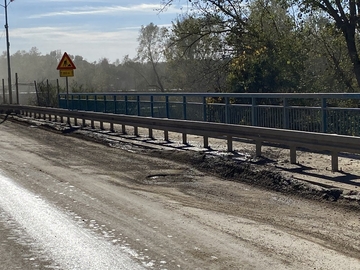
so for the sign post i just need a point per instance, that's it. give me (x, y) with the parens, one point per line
(66, 68)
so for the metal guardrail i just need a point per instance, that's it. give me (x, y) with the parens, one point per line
(336, 113)
(310, 140)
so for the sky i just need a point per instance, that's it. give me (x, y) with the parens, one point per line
(93, 29)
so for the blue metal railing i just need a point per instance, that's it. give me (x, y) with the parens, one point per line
(331, 113)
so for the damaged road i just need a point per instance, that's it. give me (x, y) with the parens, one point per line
(170, 209)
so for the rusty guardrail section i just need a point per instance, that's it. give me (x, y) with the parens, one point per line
(258, 135)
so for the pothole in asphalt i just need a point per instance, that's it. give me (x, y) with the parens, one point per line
(167, 176)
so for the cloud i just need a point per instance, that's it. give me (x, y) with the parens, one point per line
(109, 10)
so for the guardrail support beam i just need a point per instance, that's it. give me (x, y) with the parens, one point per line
(166, 135)
(136, 131)
(184, 138)
(123, 129)
(293, 154)
(335, 161)
(258, 148)
(229, 144)
(206, 142)
(112, 127)
(151, 135)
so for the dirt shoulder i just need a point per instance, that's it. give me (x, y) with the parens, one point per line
(310, 178)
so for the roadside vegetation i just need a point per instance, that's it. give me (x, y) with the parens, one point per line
(225, 46)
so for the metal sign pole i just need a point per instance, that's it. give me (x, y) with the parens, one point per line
(67, 93)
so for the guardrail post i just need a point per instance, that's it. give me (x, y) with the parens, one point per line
(151, 135)
(229, 144)
(105, 110)
(92, 124)
(206, 141)
(258, 145)
(253, 112)
(166, 135)
(285, 114)
(123, 129)
(136, 131)
(83, 122)
(335, 161)
(293, 154)
(184, 138)
(323, 115)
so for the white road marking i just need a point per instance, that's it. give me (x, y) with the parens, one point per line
(69, 245)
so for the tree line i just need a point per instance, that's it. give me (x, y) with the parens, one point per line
(250, 46)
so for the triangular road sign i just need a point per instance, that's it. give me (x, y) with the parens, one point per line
(66, 63)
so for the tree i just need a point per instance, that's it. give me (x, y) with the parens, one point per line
(152, 43)
(194, 55)
(344, 14)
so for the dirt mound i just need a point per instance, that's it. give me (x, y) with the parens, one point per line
(229, 169)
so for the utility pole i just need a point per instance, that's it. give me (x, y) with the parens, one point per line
(8, 50)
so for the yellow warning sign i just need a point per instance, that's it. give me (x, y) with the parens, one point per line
(66, 73)
(65, 63)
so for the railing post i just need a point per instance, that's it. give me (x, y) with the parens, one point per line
(253, 112)
(17, 88)
(87, 103)
(151, 135)
(126, 104)
(323, 115)
(48, 93)
(3, 86)
(115, 107)
(204, 110)
(184, 108)
(95, 103)
(167, 107)
(227, 120)
(58, 91)
(152, 106)
(138, 105)
(285, 114)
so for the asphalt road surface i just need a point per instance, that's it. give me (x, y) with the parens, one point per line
(67, 203)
